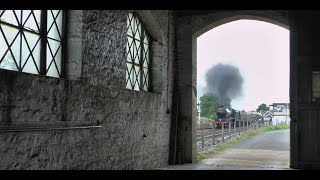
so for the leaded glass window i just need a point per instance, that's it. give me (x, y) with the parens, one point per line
(138, 55)
(31, 41)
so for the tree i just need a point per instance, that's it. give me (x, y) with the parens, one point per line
(209, 105)
(262, 108)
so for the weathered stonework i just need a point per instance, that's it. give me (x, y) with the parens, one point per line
(135, 125)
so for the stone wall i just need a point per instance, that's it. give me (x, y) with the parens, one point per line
(127, 129)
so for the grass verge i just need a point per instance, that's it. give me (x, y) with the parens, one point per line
(220, 148)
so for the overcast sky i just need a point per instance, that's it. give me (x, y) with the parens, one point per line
(261, 52)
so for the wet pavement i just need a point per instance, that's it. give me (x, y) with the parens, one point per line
(265, 151)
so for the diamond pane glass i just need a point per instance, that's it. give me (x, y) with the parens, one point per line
(138, 29)
(27, 60)
(129, 49)
(9, 32)
(54, 24)
(146, 56)
(145, 79)
(13, 38)
(59, 22)
(129, 76)
(136, 51)
(31, 19)
(8, 63)
(53, 54)
(130, 18)
(20, 48)
(137, 78)
(52, 71)
(9, 17)
(30, 67)
(3, 46)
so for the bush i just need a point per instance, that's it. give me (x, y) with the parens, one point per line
(275, 127)
(205, 122)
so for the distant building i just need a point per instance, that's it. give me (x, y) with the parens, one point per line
(280, 109)
(268, 115)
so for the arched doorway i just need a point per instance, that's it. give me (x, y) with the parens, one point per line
(191, 25)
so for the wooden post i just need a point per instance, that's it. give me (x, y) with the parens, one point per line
(247, 124)
(222, 132)
(213, 133)
(239, 128)
(229, 130)
(202, 134)
(234, 127)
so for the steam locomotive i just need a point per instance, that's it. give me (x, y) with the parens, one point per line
(228, 115)
(225, 116)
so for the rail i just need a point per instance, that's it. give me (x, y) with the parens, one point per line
(209, 137)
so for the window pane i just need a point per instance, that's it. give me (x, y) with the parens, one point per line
(52, 71)
(137, 29)
(26, 46)
(13, 37)
(59, 21)
(145, 79)
(9, 32)
(145, 56)
(137, 54)
(136, 78)
(9, 17)
(33, 20)
(130, 18)
(133, 26)
(53, 54)
(54, 26)
(33, 41)
(136, 51)
(129, 50)
(8, 63)
(129, 76)
(3, 45)
(30, 67)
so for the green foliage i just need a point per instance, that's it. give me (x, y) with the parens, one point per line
(209, 105)
(205, 122)
(275, 127)
(213, 116)
(263, 108)
(200, 157)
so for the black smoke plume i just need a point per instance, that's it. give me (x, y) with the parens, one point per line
(224, 81)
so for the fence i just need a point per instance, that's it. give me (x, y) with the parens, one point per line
(209, 137)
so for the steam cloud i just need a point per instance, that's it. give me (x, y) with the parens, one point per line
(224, 81)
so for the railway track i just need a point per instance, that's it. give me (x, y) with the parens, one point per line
(205, 140)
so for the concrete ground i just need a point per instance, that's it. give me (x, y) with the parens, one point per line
(265, 151)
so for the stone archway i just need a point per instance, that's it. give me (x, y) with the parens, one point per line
(189, 26)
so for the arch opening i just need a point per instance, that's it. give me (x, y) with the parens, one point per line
(219, 23)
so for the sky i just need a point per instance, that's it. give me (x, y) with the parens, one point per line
(261, 52)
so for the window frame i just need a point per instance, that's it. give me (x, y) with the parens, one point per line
(43, 35)
(144, 31)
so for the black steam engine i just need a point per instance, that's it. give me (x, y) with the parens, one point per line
(225, 116)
